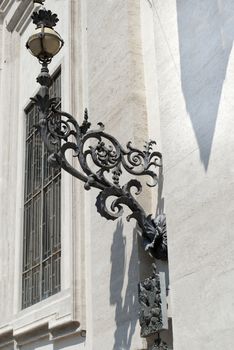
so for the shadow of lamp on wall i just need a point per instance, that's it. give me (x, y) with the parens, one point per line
(62, 134)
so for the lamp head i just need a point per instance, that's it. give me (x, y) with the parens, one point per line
(45, 42)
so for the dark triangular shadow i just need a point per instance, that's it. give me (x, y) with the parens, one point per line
(206, 32)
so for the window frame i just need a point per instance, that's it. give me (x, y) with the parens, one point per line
(46, 184)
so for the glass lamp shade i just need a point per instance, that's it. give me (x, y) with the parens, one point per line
(44, 43)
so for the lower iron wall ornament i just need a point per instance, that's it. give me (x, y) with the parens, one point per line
(159, 345)
(153, 304)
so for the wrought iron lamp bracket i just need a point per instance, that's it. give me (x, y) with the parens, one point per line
(61, 133)
(101, 160)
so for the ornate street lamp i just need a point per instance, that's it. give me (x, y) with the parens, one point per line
(61, 133)
(45, 42)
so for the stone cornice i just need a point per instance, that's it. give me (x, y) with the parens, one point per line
(43, 329)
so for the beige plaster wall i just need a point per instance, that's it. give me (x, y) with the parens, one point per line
(195, 65)
(116, 97)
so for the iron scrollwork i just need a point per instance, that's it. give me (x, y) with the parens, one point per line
(61, 130)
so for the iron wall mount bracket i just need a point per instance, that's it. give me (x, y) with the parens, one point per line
(61, 133)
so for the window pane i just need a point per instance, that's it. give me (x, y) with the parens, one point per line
(56, 219)
(47, 222)
(28, 170)
(46, 279)
(48, 171)
(26, 295)
(35, 285)
(36, 230)
(37, 162)
(56, 273)
(26, 240)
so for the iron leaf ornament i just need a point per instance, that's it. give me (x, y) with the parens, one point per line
(45, 17)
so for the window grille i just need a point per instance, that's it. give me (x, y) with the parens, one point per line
(42, 214)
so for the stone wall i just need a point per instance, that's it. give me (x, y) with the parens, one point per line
(195, 67)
